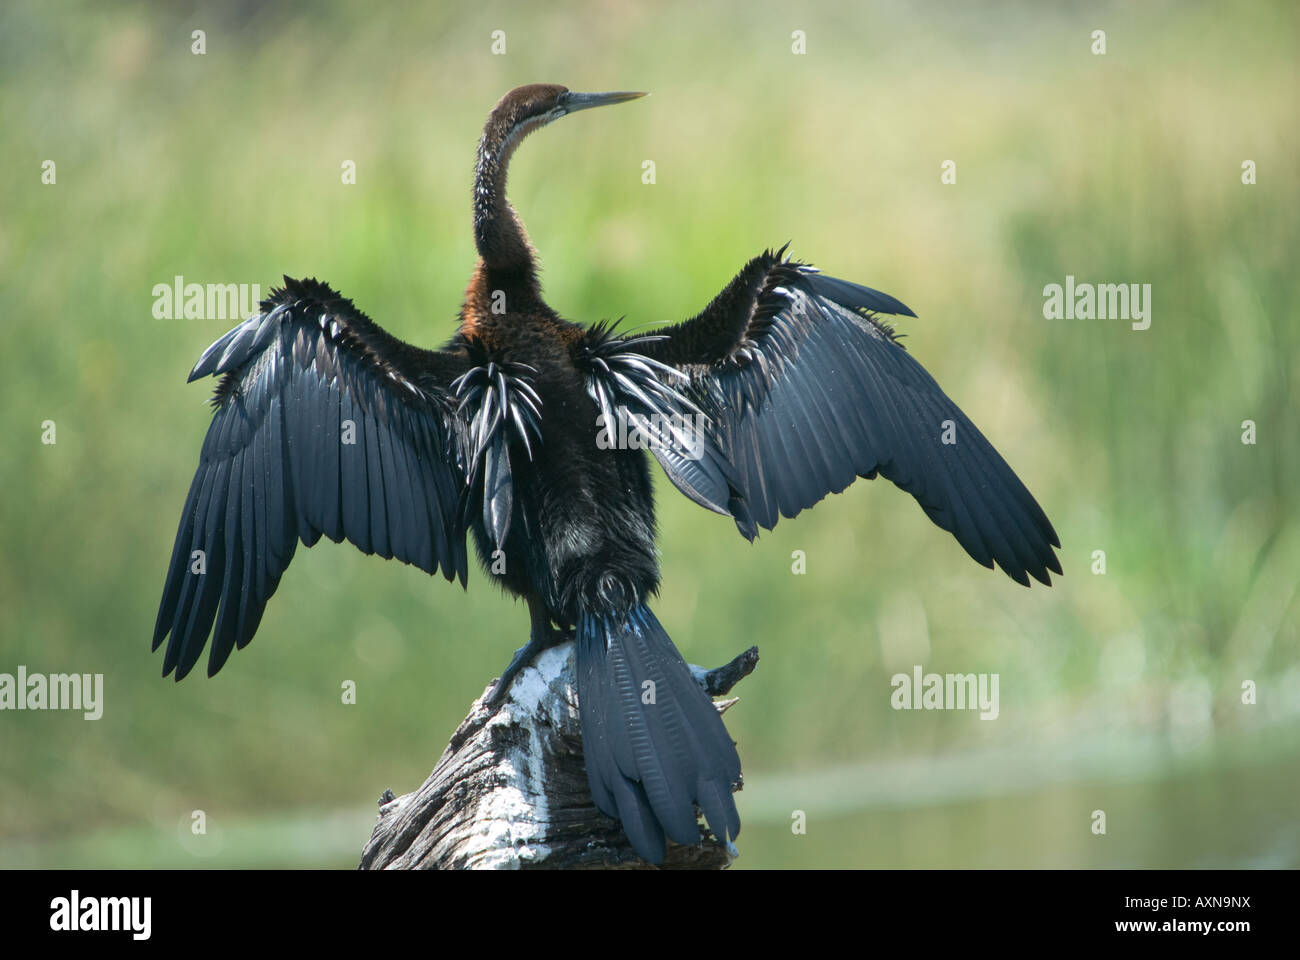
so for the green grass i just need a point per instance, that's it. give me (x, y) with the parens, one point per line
(226, 168)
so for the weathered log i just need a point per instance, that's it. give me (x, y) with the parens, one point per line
(510, 791)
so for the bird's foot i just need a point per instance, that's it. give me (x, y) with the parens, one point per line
(539, 640)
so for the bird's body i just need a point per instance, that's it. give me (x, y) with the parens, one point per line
(578, 513)
(785, 388)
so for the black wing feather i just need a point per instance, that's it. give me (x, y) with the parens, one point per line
(806, 390)
(274, 468)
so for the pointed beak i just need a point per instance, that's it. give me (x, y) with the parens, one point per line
(573, 102)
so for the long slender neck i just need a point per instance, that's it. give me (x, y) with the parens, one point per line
(506, 256)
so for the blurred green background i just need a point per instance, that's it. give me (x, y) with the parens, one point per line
(1119, 692)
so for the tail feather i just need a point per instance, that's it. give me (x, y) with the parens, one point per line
(650, 743)
(616, 795)
(655, 745)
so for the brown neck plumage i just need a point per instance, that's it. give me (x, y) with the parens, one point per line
(506, 270)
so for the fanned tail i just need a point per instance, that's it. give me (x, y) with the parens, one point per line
(655, 744)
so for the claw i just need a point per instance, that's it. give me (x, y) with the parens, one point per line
(523, 657)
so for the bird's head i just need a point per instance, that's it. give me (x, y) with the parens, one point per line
(498, 234)
(524, 109)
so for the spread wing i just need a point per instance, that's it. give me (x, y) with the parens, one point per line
(806, 390)
(323, 424)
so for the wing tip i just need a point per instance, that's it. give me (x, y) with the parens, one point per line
(1042, 572)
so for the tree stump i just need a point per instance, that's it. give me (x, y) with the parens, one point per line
(510, 791)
